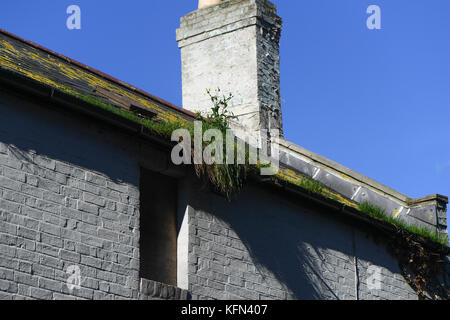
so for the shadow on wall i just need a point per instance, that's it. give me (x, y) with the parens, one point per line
(32, 129)
(309, 253)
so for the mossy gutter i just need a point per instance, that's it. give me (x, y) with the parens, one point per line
(368, 212)
(164, 130)
(380, 214)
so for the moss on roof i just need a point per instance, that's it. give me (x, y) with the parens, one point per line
(44, 68)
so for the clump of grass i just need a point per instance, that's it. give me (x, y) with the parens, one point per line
(426, 233)
(373, 210)
(311, 185)
(381, 214)
(228, 178)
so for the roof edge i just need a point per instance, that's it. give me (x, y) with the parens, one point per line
(98, 73)
(323, 161)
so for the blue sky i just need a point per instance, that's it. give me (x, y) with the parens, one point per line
(376, 101)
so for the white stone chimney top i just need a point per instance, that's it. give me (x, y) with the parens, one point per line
(207, 3)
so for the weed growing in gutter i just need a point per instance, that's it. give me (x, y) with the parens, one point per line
(311, 185)
(227, 178)
(420, 268)
(380, 214)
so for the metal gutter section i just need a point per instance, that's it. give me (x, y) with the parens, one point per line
(429, 212)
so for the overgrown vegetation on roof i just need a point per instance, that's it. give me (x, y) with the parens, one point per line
(227, 178)
(421, 268)
(162, 128)
(311, 185)
(381, 214)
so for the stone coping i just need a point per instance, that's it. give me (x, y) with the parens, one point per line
(153, 290)
(349, 174)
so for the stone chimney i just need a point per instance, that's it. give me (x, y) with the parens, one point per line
(234, 45)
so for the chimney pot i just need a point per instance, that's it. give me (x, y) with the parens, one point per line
(207, 3)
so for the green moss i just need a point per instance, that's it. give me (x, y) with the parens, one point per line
(311, 185)
(162, 128)
(380, 214)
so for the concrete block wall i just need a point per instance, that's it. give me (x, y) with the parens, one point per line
(68, 197)
(54, 215)
(280, 249)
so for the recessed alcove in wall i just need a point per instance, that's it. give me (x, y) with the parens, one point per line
(158, 227)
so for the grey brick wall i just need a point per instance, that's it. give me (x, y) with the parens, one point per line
(280, 249)
(68, 196)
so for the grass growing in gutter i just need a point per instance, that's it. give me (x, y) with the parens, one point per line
(311, 185)
(380, 214)
(163, 128)
(229, 178)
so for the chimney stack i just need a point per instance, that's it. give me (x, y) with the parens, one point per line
(234, 46)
